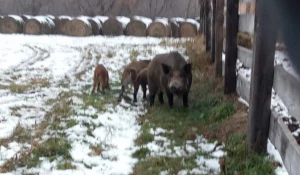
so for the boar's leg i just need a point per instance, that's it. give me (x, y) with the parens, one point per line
(144, 87)
(170, 99)
(94, 87)
(136, 89)
(185, 99)
(161, 98)
(121, 93)
(98, 88)
(152, 98)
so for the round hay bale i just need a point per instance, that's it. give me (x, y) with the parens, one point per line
(60, 23)
(115, 26)
(78, 27)
(12, 24)
(159, 28)
(189, 28)
(138, 26)
(95, 24)
(39, 25)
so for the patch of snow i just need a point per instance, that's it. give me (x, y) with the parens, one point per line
(194, 22)
(243, 101)
(123, 20)
(178, 19)
(17, 18)
(145, 20)
(65, 17)
(44, 20)
(28, 16)
(274, 154)
(85, 19)
(282, 58)
(102, 18)
(164, 21)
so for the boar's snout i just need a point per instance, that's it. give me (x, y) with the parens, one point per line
(175, 86)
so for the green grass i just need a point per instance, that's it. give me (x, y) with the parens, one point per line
(99, 100)
(155, 165)
(141, 153)
(238, 162)
(65, 165)
(71, 123)
(110, 54)
(51, 149)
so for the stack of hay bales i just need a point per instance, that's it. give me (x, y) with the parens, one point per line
(12, 24)
(39, 25)
(138, 26)
(159, 28)
(100, 25)
(115, 26)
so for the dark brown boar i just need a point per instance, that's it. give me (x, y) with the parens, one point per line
(171, 74)
(141, 80)
(130, 73)
(100, 77)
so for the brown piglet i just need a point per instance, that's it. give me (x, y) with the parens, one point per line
(141, 80)
(101, 77)
(130, 73)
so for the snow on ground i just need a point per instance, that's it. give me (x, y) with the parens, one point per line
(207, 163)
(37, 70)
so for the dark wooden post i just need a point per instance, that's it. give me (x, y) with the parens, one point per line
(213, 32)
(262, 76)
(232, 24)
(201, 3)
(219, 36)
(207, 25)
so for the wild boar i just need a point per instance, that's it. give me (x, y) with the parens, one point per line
(130, 73)
(100, 77)
(141, 80)
(169, 73)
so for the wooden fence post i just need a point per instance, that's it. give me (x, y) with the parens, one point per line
(201, 3)
(213, 31)
(232, 24)
(207, 26)
(219, 36)
(262, 76)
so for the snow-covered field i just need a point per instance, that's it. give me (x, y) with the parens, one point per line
(45, 84)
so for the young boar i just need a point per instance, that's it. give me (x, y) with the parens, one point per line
(100, 77)
(141, 80)
(130, 73)
(171, 74)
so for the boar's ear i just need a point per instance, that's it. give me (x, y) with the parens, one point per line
(165, 68)
(188, 68)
